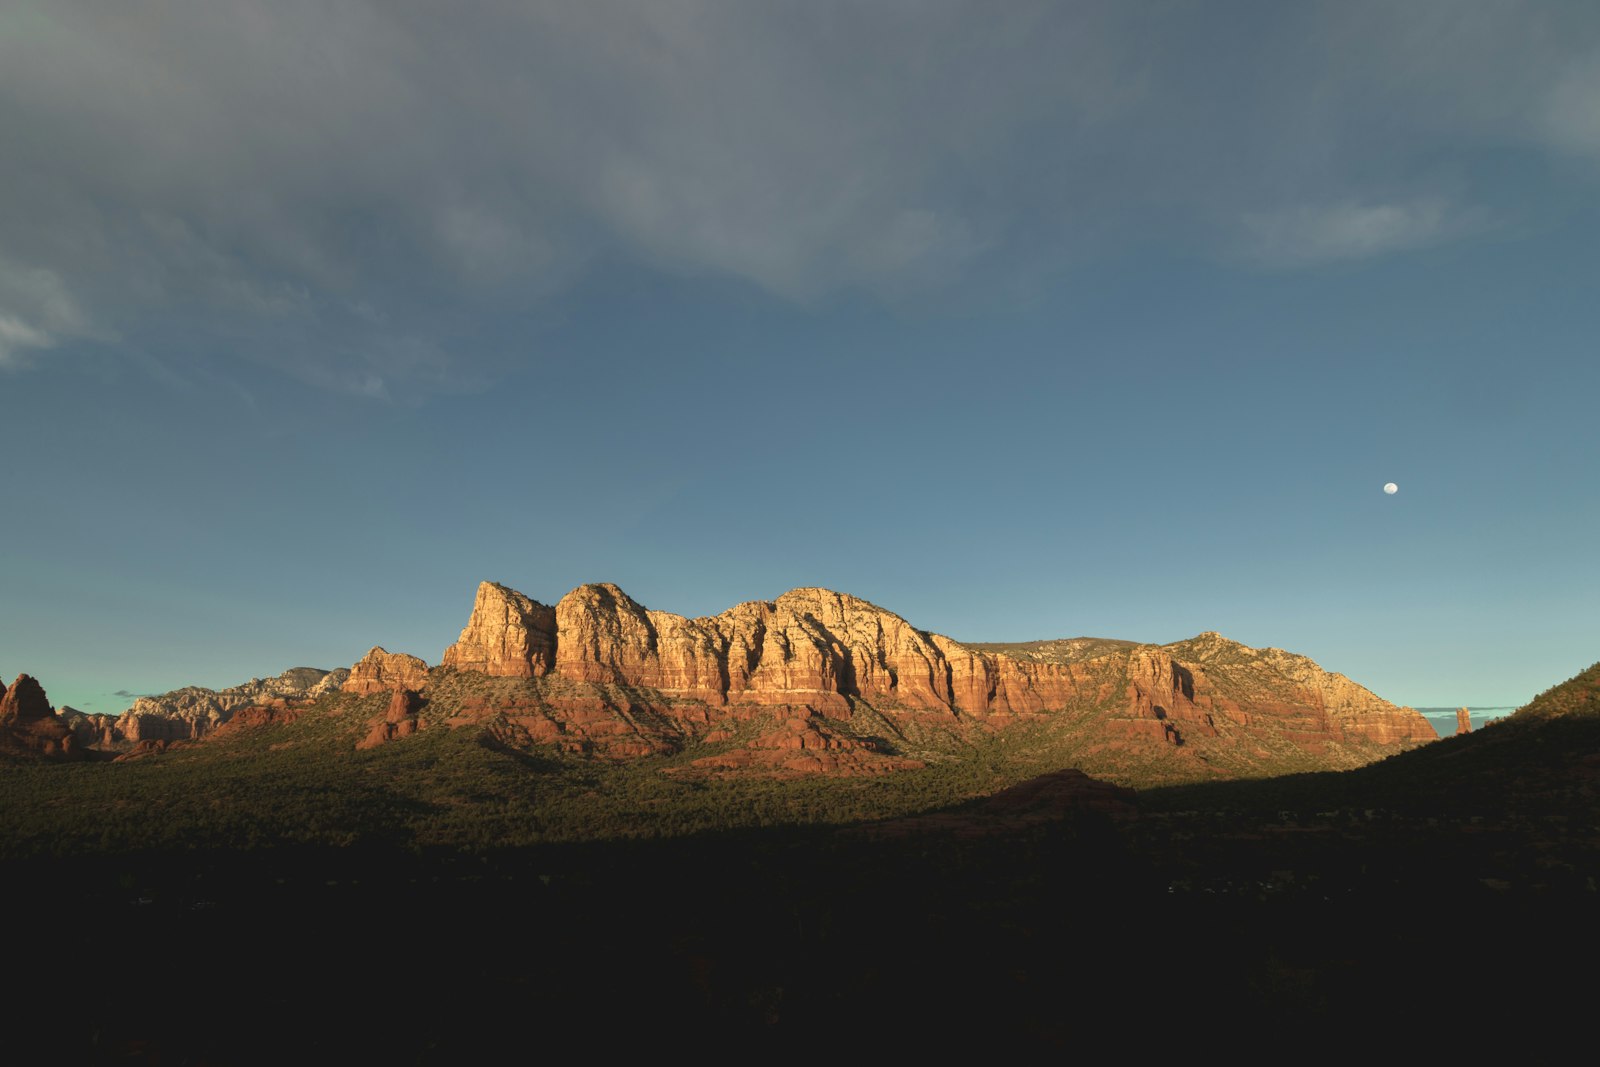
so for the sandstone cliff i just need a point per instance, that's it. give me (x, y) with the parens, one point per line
(379, 671)
(649, 681)
(508, 635)
(1270, 681)
(816, 681)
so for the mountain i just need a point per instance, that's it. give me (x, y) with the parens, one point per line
(1541, 761)
(191, 712)
(30, 727)
(821, 682)
(380, 672)
(1543, 757)
(799, 824)
(817, 680)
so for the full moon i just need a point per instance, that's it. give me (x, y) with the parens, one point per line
(1391, 488)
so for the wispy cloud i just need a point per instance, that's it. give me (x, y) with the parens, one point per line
(36, 311)
(1570, 116)
(1308, 235)
(327, 189)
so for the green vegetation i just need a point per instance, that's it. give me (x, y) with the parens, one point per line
(643, 899)
(1577, 696)
(305, 783)
(1060, 650)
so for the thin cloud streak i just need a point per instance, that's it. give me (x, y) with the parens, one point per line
(1306, 236)
(36, 312)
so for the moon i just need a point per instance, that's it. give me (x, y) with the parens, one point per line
(1391, 488)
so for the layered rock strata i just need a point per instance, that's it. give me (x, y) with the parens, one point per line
(819, 653)
(809, 646)
(1253, 683)
(379, 672)
(507, 635)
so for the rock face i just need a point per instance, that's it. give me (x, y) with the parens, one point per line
(379, 671)
(810, 646)
(629, 680)
(91, 730)
(192, 712)
(1307, 699)
(400, 720)
(507, 635)
(276, 712)
(29, 726)
(24, 702)
(1463, 722)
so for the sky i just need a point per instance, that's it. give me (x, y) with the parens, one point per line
(1023, 321)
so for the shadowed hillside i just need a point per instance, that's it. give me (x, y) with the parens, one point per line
(561, 845)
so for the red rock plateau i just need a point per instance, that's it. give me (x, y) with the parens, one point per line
(822, 682)
(818, 682)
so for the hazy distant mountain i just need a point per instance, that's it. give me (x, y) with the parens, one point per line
(192, 711)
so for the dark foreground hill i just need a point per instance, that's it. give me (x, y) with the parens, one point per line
(1435, 903)
(435, 865)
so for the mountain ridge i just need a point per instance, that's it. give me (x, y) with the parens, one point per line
(816, 681)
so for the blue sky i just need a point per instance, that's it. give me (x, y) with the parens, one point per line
(1024, 321)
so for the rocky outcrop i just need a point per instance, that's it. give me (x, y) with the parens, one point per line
(810, 646)
(1463, 722)
(626, 680)
(379, 671)
(29, 726)
(507, 635)
(276, 712)
(603, 635)
(400, 720)
(24, 703)
(192, 712)
(1252, 684)
(1161, 692)
(92, 731)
